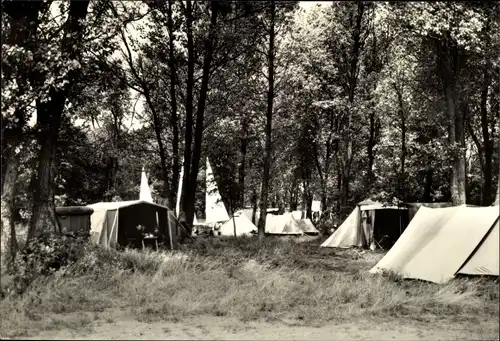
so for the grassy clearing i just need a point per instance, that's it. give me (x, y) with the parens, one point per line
(279, 279)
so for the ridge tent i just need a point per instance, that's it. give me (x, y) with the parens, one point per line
(243, 226)
(370, 224)
(115, 223)
(283, 224)
(307, 226)
(440, 243)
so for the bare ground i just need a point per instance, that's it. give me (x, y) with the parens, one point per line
(119, 324)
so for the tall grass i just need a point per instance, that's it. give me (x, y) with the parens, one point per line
(285, 279)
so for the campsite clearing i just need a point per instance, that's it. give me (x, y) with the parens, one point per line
(228, 288)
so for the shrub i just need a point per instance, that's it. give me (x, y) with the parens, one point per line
(43, 256)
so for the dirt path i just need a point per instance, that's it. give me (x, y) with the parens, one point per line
(223, 328)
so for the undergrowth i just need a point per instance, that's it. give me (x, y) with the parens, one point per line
(277, 278)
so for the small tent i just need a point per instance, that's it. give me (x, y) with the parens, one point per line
(370, 224)
(283, 224)
(115, 223)
(443, 242)
(243, 226)
(307, 226)
(145, 192)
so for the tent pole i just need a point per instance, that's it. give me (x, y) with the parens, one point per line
(170, 233)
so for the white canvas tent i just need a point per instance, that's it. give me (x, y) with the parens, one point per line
(368, 224)
(307, 226)
(443, 242)
(215, 210)
(283, 224)
(243, 226)
(115, 223)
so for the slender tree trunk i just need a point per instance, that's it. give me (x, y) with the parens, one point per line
(402, 118)
(173, 121)
(352, 84)
(497, 197)
(188, 131)
(268, 129)
(487, 143)
(198, 138)
(371, 145)
(428, 175)
(254, 206)
(241, 172)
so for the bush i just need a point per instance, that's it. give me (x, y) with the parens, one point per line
(43, 256)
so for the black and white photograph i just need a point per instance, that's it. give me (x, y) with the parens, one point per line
(250, 170)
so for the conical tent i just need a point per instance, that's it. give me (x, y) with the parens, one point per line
(370, 224)
(215, 209)
(145, 192)
(307, 226)
(283, 224)
(179, 192)
(243, 226)
(442, 242)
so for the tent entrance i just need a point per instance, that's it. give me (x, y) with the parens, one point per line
(383, 227)
(152, 219)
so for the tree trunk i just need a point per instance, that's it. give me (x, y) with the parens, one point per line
(402, 118)
(307, 199)
(188, 131)
(456, 138)
(352, 80)
(49, 115)
(371, 155)
(487, 143)
(268, 130)
(428, 183)
(448, 70)
(241, 168)
(9, 189)
(198, 138)
(497, 197)
(173, 121)
(254, 207)
(161, 148)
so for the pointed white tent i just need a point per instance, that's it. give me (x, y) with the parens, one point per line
(145, 192)
(215, 209)
(244, 226)
(442, 242)
(179, 192)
